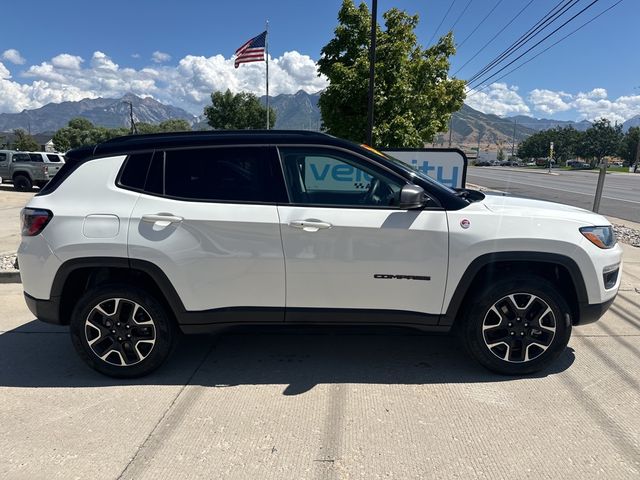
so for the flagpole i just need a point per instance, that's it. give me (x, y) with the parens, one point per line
(266, 47)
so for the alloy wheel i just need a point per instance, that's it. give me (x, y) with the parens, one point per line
(120, 332)
(519, 327)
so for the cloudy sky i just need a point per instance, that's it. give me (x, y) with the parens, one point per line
(179, 55)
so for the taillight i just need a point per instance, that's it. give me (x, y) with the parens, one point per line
(45, 170)
(34, 220)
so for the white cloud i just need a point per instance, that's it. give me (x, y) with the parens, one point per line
(499, 99)
(4, 72)
(548, 101)
(66, 61)
(12, 55)
(160, 57)
(135, 55)
(66, 77)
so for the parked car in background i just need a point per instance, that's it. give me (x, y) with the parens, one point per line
(577, 165)
(483, 163)
(28, 169)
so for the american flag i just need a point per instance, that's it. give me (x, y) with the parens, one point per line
(252, 50)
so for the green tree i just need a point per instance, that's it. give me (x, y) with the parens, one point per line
(24, 141)
(500, 156)
(80, 131)
(536, 145)
(174, 125)
(229, 111)
(565, 141)
(600, 140)
(629, 145)
(414, 96)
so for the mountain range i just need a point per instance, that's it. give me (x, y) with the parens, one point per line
(293, 111)
(106, 112)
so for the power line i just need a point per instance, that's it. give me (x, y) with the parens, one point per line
(479, 24)
(538, 43)
(550, 17)
(460, 16)
(548, 48)
(441, 22)
(495, 36)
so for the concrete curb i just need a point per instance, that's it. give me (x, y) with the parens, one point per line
(10, 277)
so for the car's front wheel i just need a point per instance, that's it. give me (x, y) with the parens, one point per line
(518, 325)
(121, 331)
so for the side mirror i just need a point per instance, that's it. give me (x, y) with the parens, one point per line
(412, 197)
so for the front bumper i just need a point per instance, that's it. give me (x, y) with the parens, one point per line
(589, 313)
(45, 310)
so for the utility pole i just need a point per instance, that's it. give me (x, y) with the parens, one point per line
(513, 140)
(134, 130)
(372, 70)
(637, 162)
(603, 173)
(550, 155)
(450, 129)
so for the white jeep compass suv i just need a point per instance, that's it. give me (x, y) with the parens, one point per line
(140, 237)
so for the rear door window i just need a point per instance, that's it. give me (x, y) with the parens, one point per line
(22, 157)
(36, 157)
(225, 174)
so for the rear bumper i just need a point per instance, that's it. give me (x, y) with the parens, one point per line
(590, 313)
(45, 310)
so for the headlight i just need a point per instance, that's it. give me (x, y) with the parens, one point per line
(602, 237)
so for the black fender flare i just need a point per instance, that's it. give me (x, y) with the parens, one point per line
(479, 263)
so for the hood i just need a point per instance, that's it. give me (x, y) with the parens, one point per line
(525, 207)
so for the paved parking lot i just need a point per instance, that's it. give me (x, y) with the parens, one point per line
(11, 202)
(321, 404)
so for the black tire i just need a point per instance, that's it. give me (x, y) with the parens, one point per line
(22, 183)
(150, 343)
(512, 340)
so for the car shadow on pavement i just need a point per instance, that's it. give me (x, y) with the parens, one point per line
(39, 355)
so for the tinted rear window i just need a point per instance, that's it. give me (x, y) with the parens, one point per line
(231, 174)
(35, 157)
(134, 173)
(53, 158)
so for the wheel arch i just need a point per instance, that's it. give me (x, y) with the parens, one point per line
(78, 275)
(24, 173)
(560, 269)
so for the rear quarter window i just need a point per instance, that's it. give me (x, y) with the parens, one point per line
(53, 158)
(135, 170)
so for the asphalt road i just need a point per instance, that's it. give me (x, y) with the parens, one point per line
(322, 404)
(621, 195)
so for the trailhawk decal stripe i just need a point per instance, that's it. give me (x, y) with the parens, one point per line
(400, 277)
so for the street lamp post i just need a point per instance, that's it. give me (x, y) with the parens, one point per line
(372, 70)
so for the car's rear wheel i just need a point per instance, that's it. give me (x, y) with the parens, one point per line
(517, 326)
(22, 183)
(121, 331)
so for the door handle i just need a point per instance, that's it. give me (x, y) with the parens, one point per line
(309, 225)
(161, 219)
